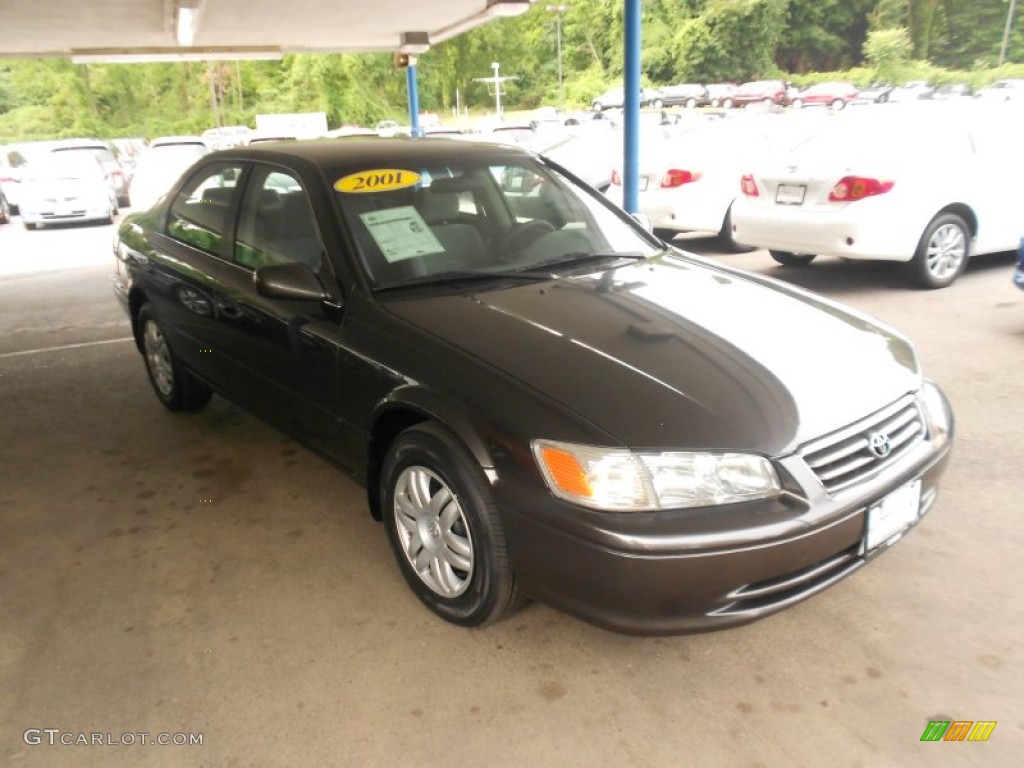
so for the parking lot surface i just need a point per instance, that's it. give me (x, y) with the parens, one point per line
(203, 574)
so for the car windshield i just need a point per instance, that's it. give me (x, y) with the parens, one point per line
(488, 216)
(65, 165)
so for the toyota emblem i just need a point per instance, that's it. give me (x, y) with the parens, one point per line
(879, 444)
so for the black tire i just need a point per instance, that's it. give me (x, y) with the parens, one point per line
(30, 224)
(480, 586)
(727, 103)
(798, 103)
(598, 106)
(787, 259)
(174, 386)
(657, 103)
(5, 210)
(942, 252)
(124, 201)
(716, 103)
(726, 239)
(691, 103)
(838, 104)
(667, 235)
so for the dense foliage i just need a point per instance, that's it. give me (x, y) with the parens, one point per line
(684, 40)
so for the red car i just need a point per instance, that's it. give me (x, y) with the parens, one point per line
(760, 92)
(835, 95)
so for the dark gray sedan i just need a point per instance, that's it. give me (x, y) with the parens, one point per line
(541, 398)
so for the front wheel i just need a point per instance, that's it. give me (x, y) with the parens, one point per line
(787, 259)
(598, 106)
(727, 103)
(176, 388)
(691, 103)
(798, 103)
(838, 104)
(444, 528)
(942, 252)
(657, 103)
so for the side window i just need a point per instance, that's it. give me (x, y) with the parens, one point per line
(276, 224)
(199, 213)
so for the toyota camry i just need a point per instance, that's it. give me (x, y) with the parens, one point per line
(541, 398)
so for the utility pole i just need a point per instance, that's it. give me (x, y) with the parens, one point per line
(497, 80)
(558, 10)
(1006, 32)
(497, 90)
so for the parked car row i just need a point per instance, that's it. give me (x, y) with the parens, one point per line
(779, 93)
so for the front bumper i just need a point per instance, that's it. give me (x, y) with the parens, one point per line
(699, 570)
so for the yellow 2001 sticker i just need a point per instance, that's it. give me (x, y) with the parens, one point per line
(376, 180)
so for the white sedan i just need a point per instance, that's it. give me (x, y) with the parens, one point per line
(926, 184)
(689, 179)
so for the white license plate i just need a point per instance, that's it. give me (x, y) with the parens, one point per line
(893, 514)
(790, 194)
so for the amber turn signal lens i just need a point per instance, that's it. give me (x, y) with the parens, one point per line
(566, 472)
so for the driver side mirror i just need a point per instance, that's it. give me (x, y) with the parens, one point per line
(289, 281)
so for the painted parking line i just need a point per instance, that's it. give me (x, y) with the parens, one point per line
(63, 347)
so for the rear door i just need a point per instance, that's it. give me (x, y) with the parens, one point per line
(190, 260)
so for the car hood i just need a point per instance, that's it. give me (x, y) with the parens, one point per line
(672, 353)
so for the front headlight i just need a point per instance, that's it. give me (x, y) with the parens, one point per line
(620, 480)
(939, 414)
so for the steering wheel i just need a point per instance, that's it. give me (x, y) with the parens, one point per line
(521, 236)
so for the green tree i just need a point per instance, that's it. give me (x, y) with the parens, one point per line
(889, 51)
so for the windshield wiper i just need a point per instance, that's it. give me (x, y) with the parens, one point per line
(456, 277)
(582, 257)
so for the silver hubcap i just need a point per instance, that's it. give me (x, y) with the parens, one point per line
(158, 358)
(947, 249)
(433, 531)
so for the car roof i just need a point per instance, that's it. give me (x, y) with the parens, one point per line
(370, 151)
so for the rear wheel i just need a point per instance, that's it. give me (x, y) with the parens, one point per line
(691, 103)
(798, 103)
(942, 253)
(726, 239)
(445, 529)
(667, 235)
(29, 224)
(838, 104)
(727, 103)
(598, 106)
(176, 388)
(657, 103)
(787, 259)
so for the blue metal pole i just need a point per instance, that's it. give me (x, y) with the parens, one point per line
(631, 109)
(414, 100)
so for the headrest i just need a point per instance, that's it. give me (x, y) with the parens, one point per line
(439, 207)
(453, 184)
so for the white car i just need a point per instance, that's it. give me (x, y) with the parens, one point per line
(67, 187)
(160, 165)
(929, 184)
(689, 179)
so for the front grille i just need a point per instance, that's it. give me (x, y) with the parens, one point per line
(844, 458)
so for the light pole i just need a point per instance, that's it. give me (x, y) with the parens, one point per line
(558, 10)
(1006, 32)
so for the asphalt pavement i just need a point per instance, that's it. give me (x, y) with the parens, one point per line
(203, 574)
